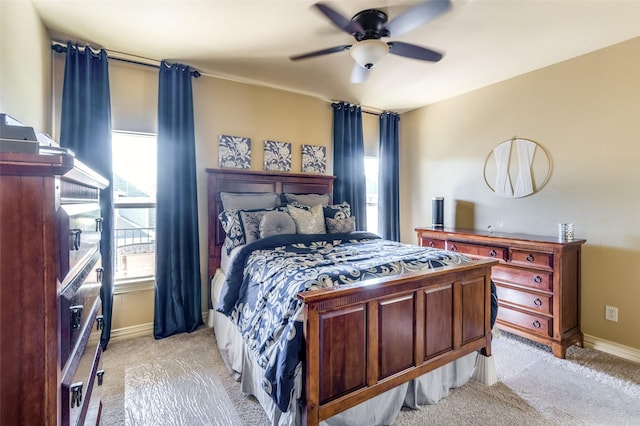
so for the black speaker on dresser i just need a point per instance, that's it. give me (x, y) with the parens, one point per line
(437, 212)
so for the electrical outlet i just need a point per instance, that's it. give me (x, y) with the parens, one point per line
(611, 313)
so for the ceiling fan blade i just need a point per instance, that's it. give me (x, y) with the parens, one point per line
(417, 15)
(345, 24)
(412, 51)
(321, 52)
(359, 74)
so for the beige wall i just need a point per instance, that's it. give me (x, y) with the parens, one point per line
(585, 114)
(25, 65)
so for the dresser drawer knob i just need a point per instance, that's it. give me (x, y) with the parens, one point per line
(492, 253)
(74, 239)
(536, 324)
(432, 244)
(537, 279)
(76, 394)
(453, 247)
(530, 258)
(537, 302)
(100, 375)
(76, 316)
(99, 322)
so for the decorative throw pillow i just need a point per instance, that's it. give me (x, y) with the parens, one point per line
(250, 220)
(335, 226)
(308, 221)
(308, 199)
(338, 211)
(299, 205)
(276, 223)
(230, 220)
(248, 201)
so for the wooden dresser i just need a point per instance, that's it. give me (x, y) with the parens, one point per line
(50, 279)
(537, 281)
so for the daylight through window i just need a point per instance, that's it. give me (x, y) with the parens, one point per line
(371, 176)
(134, 193)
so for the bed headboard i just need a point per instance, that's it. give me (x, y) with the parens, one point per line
(236, 180)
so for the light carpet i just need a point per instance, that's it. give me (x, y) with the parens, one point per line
(182, 380)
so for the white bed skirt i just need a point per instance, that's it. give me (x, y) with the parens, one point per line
(381, 410)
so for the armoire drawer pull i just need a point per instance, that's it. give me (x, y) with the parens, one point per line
(453, 247)
(100, 375)
(99, 322)
(76, 394)
(74, 239)
(536, 324)
(537, 302)
(492, 253)
(537, 279)
(432, 244)
(76, 316)
(530, 258)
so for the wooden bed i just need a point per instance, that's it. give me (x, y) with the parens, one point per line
(366, 338)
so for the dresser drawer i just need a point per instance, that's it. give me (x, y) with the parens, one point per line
(535, 301)
(432, 242)
(478, 250)
(79, 302)
(81, 381)
(532, 259)
(537, 324)
(524, 277)
(79, 229)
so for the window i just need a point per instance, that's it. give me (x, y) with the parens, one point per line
(134, 196)
(371, 177)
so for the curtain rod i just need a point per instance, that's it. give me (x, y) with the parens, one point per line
(61, 48)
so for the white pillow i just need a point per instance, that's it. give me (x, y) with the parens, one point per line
(308, 221)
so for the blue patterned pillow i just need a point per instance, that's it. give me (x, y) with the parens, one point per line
(338, 211)
(230, 220)
(250, 220)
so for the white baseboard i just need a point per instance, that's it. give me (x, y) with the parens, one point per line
(131, 332)
(143, 329)
(612, 348)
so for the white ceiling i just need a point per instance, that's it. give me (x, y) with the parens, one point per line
(484, 41)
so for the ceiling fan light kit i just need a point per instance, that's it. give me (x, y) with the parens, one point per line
(369, 26)
(368, 53)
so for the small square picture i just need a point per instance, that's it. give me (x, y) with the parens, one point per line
(277, 156)
(314, 159)
(234, 152)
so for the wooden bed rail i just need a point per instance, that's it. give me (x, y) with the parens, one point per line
(366, 338)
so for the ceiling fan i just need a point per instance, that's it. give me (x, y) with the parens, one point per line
(369, 26)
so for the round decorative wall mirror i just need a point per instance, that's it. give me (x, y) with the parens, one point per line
(516, 168)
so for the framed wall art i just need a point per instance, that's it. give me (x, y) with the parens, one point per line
(234, 152)
(517, 168)
(314, 159)
(277, 156)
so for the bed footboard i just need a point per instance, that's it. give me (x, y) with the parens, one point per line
(366, 338)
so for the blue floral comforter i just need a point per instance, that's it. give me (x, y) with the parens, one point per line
(259, 294)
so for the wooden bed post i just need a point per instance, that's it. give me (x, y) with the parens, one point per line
(311, 368)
